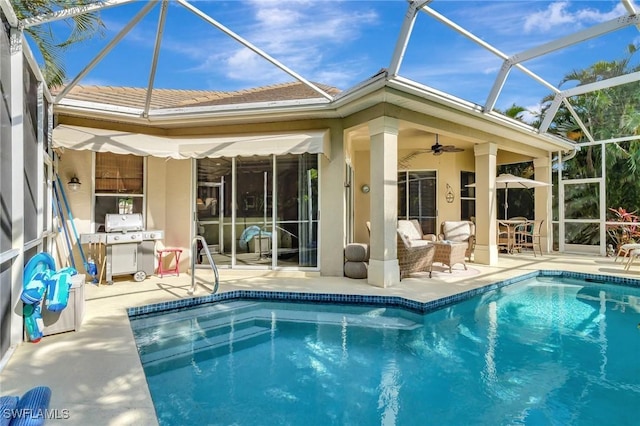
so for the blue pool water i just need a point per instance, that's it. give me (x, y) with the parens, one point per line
(545, 351)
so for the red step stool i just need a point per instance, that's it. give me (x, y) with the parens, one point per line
(170, 269)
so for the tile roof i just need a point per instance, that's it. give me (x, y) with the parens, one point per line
(133, 97)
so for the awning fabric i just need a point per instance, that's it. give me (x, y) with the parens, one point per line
(119, 142)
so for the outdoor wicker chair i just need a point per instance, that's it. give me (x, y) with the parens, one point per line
(414, 255)
(527, 235)
(459, 231)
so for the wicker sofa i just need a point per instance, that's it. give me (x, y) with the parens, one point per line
(415, 249)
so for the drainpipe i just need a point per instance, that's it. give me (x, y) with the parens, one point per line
(567, 157)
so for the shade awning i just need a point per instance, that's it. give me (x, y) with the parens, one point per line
(120, 142)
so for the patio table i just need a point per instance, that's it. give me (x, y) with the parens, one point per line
(511, 225)
(450, 252)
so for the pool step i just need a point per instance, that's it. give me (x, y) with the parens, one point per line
(204, 324)
(220, 309)
(238, 326)
(193, 332)
(245, 337)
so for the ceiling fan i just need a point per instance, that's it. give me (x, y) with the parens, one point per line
(438, 149)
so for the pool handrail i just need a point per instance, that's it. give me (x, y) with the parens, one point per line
(193, 264)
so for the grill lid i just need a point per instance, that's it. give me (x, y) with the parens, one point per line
(123, 222)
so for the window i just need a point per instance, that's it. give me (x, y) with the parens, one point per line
(417, 198)
(119, 185)
(467, 196)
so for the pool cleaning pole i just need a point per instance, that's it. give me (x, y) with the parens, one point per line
(73, 226)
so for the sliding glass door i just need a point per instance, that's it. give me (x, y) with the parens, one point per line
(250, 219)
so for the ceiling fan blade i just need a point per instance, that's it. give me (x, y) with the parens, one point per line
(451, 148)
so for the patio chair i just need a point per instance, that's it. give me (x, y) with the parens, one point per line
(527, 235)
(626, 249)
(414, 255)
(412, 230)
(633, 254)
(504, 237)
(459, 231)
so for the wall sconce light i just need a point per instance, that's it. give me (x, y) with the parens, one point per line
(74, 183)
(449, 197)
(365, 188)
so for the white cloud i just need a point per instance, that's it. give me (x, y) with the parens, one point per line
(560, 14)
(301, 35)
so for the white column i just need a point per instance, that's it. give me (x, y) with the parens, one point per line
(486, 250)
(542, 173)
(383, 260)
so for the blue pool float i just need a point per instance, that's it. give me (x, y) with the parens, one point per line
(34, 283)
(40, 280)
(58, 289)
(40, 263)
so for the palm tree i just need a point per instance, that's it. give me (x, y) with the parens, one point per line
(82, 27)
(514, 111)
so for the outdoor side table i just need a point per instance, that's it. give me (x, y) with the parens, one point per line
(450, 253)
(175, 269)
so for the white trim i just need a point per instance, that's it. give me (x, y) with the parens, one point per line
(9, 255)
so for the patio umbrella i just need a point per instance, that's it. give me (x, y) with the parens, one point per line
(507, 180)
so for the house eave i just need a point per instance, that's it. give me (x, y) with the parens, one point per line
(379, 89)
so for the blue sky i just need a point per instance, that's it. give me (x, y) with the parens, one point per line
(342, 43)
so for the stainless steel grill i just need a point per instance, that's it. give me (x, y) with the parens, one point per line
(129, 248)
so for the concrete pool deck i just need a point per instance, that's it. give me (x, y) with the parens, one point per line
(95, 373)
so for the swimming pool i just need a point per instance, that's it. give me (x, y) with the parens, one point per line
(546, 350)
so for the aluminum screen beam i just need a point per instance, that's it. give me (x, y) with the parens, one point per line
(553, 110)
(7, 9)
(575, 38)
(156, 54)
(71, 12)
(603, 84)
(628, 4)
(405, 35)
(581, 90)
(497, 86)
(575, 116)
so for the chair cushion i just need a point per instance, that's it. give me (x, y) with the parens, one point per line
(408, 230)
(456, 231)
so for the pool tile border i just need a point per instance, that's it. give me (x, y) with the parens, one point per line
(397, 301)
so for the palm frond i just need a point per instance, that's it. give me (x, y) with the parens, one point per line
(82, 27)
